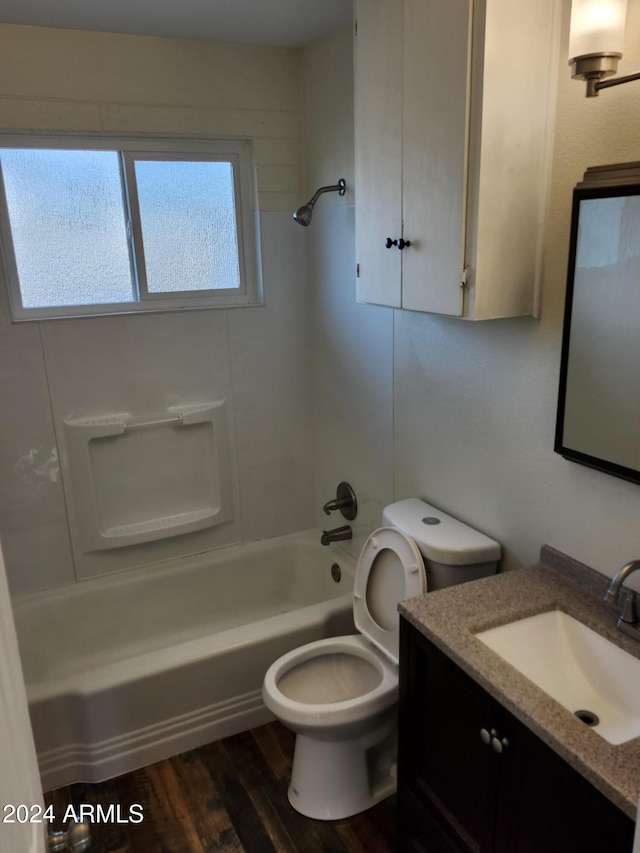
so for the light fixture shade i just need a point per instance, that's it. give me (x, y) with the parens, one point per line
(597, 26)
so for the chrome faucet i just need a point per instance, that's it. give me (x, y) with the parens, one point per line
(338, 534)
(628, 621)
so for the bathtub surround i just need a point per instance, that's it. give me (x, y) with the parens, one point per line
(352, 345)
(257, 359)
(146, 365)
(287, 408)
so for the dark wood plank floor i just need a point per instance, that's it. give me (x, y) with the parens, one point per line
(227, 796)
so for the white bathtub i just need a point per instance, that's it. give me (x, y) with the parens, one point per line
(125, 670)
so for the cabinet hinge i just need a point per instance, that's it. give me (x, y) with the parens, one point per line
(464, 277)
(357, 270)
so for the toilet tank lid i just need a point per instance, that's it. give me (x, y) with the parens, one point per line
(440, 537)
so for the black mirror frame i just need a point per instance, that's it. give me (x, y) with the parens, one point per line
(611, 181)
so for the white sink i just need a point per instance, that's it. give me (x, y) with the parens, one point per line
(577, 667)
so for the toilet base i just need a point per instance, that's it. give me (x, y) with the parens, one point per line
(333, 779)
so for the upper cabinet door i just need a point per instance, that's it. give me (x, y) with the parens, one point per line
(455, 103)
(434, 152)
(378, 94)
(515, 61)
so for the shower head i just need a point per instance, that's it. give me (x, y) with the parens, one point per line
(303, 214)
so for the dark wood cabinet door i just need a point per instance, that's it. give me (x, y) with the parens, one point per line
(442, 758)
(545, 806)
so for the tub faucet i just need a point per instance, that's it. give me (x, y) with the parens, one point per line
(627, 621)
(338, 534)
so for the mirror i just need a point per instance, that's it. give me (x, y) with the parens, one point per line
(598, 421)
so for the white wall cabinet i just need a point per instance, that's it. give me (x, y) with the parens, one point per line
(454, 109)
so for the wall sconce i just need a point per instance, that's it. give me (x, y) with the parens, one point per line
(596, 41)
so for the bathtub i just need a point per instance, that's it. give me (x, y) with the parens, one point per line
(125, 670)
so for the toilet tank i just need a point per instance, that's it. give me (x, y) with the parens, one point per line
(452, 551)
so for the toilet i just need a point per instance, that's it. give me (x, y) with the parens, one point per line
(339, 695)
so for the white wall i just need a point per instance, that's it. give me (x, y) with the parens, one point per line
(474, 405)
(258, 358)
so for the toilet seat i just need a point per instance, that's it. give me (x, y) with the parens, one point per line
(330, 714)
(389, 570)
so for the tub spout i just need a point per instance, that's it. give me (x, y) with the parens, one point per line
(338, 534)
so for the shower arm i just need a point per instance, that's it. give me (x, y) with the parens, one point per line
(339, 188)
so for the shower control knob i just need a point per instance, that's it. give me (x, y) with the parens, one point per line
(345, 501)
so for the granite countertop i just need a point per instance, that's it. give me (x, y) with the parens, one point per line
(450, 618)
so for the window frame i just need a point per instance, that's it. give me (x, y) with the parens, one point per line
(130, 149)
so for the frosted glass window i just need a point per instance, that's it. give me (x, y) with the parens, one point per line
(68, 226)
(188, 221)
(106, 226)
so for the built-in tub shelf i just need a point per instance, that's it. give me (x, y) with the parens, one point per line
(183, 519)
(138, 479)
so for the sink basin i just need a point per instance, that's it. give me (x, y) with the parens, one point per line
(586, 673)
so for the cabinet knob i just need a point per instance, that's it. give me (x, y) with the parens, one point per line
(490, 736)
(401, 244)
(499, 745)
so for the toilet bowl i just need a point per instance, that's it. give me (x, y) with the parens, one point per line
(329, 680)
(339, 695)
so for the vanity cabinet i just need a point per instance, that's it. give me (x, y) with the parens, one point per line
(454, 101)
(471, 777)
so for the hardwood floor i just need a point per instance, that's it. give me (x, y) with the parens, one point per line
(227, 796)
